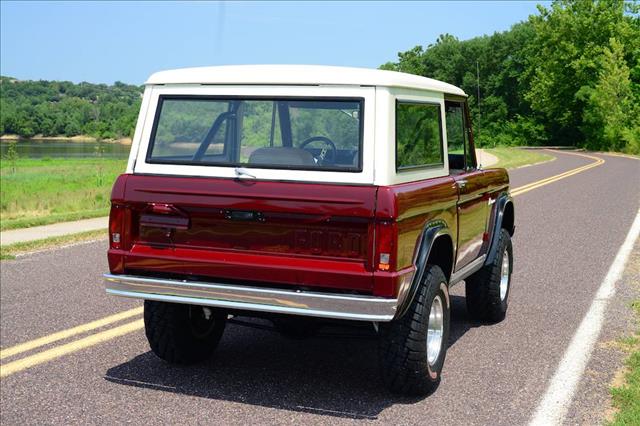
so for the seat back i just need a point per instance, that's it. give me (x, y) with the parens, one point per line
(282, 155)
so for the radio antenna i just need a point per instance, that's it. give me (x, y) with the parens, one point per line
(478, 86)
(479, 113)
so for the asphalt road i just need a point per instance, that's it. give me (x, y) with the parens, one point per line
(567, 235)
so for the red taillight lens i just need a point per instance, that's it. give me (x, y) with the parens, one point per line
(116, 226)
(385, 246)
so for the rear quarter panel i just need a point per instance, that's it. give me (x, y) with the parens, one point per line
(412, 206)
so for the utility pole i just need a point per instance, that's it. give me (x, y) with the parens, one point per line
(478, 86)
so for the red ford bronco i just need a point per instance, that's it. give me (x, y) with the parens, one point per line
(302, 193)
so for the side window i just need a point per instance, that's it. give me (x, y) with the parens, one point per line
(469, 150)
(418, 135)
(460, 153)
(456, 140)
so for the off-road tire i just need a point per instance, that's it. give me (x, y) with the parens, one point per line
(403, 342)
(483, 287)
(177, 333)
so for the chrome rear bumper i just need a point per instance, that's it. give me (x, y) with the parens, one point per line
(323, 305)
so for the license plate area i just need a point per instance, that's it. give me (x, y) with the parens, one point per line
(244, 215)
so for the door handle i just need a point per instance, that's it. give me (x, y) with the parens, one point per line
(461, 183)
(242, 172)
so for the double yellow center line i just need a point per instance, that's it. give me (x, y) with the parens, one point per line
(58, 351)
(32, 344)
(55, 352)
(537, 184)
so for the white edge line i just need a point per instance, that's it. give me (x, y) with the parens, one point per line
(138, 382)
(350, 414)
(557, 399)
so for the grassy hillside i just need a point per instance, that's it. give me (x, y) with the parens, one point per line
(38, 192)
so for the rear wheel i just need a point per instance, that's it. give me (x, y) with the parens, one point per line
(182, 334)
(487, 291)
(413, 348)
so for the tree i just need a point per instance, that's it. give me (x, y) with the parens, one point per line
(568, 76)
(564, 60)
(55, 108)
(500, 61)
(611, 117)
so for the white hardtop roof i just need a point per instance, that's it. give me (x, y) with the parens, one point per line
(299, 75)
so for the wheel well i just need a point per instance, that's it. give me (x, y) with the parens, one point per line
(441, 254)
(508, 218)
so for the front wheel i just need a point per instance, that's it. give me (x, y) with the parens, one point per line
(413, 348)
(182, 334)
(487, 291)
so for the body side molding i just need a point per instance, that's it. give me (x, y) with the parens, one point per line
(469, 269)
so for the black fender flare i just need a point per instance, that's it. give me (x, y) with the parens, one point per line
(501, 204)
(431, 232)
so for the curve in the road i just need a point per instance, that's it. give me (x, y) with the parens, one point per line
(537, 184)
(506, 375)
(86, 342)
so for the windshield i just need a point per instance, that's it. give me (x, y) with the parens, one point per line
(317, 134)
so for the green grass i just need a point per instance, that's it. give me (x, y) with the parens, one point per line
(510, 158)
(42, 191)
(626, 398)
(10, 251)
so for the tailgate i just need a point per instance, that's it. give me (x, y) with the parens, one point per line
(303, 234)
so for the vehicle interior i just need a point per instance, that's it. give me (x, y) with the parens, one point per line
(272, 133)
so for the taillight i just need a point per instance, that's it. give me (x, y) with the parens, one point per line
(385, 246)
(116, 226)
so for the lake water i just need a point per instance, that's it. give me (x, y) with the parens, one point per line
(66, 149)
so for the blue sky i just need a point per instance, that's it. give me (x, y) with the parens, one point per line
(109, 41)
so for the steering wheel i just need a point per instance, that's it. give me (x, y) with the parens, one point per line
(327, 155)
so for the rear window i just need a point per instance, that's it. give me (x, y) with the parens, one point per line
(303, 134)
(418, 135)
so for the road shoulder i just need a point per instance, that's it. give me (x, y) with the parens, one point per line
(55, 230)
(592, 401)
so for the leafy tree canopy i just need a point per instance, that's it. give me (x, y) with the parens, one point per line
(568, 76)
(53, 108)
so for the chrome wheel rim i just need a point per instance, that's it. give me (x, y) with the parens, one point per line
(435, 330)
(504, 275)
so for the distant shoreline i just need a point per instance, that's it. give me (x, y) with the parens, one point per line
(77, 138)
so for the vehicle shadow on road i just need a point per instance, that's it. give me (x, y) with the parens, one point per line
(333, 375)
